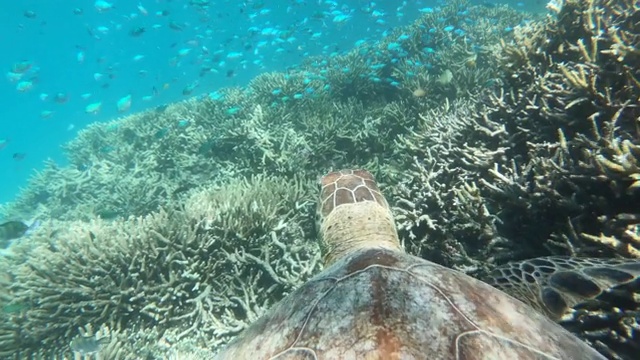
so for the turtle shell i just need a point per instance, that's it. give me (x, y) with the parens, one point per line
(374, 301)
(377, 303)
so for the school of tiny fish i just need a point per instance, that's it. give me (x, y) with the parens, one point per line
(206, 44)
(207, 41)
(123, 56)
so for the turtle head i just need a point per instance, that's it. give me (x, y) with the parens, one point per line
(353, 215)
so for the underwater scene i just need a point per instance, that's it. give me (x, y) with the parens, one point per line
(173, 169)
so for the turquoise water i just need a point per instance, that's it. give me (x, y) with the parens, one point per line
(68, 63)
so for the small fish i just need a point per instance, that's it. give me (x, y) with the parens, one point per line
(445, 78)
(137, 31)
(199, 2)
(13, 77)
(22, 67)
(190, 87)
(61, 98)
(80, 57)
(160, 109)
(11, 230)
(93, 108)
(234, 55)
(419, 92)
(184, 52)
(176, 26)
(46, 114)
(124, 103)
(24, 86)
(142, 10)
(19, 156)
(3, 143)
(103, 6)
(87, 345)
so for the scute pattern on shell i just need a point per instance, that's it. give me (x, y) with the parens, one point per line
(381, 304)
(377, 302)
(348, 187)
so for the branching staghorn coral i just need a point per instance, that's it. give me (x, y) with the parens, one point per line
(465, 198)
(568, 115)
(440, 212)
(203, 271)
(68, 193)
(570, 105)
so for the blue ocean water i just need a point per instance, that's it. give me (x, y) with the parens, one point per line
(68, 63)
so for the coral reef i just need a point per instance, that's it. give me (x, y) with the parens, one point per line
(326, 113)
(569, 106)
(440, 212)
(545, 163)
(205, 269)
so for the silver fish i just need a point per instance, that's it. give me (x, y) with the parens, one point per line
(87, 345)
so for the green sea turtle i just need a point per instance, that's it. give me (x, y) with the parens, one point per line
(374, 301)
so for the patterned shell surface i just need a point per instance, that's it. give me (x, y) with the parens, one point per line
(383, 304)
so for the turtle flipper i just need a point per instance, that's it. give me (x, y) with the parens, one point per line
(557, 285)
(596, 299)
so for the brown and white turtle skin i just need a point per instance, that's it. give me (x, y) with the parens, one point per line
(374, 301)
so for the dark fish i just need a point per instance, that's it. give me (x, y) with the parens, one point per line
(137, 31)
(86, 345)
(189, 88)
(11, 230)
(161, 108)
(19, 156)
(161, 133)
(199, 2)
(176, 26)
(61, 98)
(204, 71)
(92, 33)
